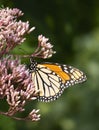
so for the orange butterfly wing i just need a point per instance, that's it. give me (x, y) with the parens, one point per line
(58, 70)
(52, 78)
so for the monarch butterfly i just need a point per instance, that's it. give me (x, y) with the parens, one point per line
(52, 78)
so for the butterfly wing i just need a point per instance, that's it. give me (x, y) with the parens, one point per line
(51, 79)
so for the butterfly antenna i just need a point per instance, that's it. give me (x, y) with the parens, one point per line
(22, 50)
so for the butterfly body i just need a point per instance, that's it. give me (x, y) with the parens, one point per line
(52, 78)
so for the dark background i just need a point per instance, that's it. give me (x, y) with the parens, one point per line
(73, 28)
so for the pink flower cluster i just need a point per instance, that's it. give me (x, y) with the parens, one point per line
(44, 49)
(11, 31)
(16, 85)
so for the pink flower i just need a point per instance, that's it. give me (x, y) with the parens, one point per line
(12, 31)
(16, 86)
(44, 49)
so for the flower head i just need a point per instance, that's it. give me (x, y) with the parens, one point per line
(11, 31)
(16, 85)
(44, 49)
(33, 115)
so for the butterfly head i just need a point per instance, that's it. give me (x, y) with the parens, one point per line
(33, 64)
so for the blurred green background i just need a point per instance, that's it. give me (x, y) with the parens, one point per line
(73, 28)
